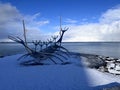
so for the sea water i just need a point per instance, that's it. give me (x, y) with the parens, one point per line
(100, 48)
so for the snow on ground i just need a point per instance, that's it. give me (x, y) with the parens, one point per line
(97, 78)
(51, 77)
(46, 77)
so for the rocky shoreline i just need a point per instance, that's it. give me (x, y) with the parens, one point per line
(102, 63)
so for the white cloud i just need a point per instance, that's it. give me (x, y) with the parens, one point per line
(83, 33)
(9, 20)
(11, 23)
(107, 29)
(68, 20)
(111, 15)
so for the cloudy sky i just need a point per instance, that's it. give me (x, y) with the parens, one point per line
(88, 20)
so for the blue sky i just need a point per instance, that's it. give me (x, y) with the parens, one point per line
(76, 9)
(89, 18)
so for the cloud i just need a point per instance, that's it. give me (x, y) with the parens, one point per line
(111, 15)
(32, 20)
(68, 20)
(107, 29)
(83, 33)
(9, 17)
(11, 23)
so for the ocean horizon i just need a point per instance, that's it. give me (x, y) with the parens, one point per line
(99, 48)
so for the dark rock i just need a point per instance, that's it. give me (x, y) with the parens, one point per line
(1, 56)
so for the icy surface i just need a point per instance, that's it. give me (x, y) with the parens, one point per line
(52, 77)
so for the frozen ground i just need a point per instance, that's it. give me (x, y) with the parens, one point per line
(52, 77)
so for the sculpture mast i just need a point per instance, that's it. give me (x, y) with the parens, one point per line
(24, 32)
(60, 26)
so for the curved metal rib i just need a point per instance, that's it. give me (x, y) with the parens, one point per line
(61, 55)
(52, 60)
(63, 48)
(23, 56)
(19, 40)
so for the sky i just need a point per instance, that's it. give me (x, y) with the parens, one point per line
(88, 20)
